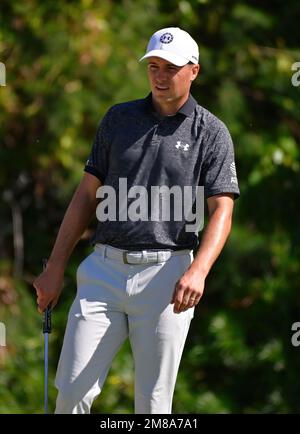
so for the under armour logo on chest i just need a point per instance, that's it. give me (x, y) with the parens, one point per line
(184, 147)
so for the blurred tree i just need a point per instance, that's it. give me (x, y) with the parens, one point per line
(65, 66)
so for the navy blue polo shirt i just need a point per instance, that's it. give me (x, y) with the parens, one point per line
(135, 143)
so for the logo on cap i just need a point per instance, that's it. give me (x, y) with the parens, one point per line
(166, 38)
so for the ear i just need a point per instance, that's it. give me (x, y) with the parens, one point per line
(195, 71)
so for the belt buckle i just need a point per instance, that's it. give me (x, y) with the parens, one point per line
(125, 257)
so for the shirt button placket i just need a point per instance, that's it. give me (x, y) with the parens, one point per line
(155, 139)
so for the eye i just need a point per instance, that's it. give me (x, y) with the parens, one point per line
(172, 68)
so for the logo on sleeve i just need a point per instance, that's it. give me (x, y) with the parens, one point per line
(233, 171)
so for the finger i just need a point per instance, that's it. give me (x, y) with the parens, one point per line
(188, 301)
(174, 295)
(43, 303)
(190, 304)
(36, 285)
(182, 306)
(193, 301)
(178, 307)
(42, 307)
(176, 291)
(178, 299)
(196, 299)
(54, 302)
(37, 290)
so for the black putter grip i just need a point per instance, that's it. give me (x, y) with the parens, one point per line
(47, 311)
(47, 320)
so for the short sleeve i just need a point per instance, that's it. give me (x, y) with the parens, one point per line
(97, 162)
(219, 172)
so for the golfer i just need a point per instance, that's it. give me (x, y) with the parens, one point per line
(153, 163)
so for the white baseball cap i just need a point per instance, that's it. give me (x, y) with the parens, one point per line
(174, 45)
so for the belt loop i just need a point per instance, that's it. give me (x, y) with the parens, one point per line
(161, 257)
(103, 251)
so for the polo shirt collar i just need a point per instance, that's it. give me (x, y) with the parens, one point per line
(187, 109)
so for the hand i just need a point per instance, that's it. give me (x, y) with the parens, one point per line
(188, 291)
(48, 286)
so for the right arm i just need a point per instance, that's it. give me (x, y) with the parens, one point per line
(80, 211)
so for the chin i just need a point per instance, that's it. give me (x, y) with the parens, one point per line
(162, 96)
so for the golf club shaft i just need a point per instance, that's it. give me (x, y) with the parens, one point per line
(46, 331)
(46, 373)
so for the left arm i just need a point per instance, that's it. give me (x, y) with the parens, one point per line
(189, 288)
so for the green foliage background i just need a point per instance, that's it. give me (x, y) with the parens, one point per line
(66, 63)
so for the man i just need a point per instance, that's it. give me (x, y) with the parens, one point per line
(141, 281)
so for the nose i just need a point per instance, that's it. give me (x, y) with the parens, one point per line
(161, 76)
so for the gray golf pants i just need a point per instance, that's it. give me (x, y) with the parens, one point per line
(114, 301)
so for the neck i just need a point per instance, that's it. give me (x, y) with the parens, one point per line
(168, 108)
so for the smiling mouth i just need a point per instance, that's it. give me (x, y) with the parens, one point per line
(161, 87)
